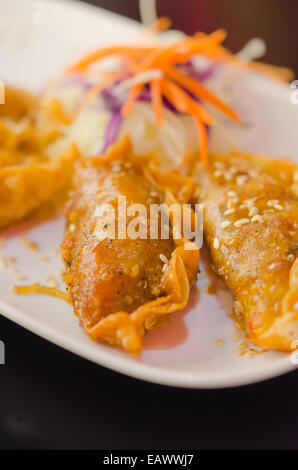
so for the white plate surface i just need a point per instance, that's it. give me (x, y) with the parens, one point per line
(38, 38)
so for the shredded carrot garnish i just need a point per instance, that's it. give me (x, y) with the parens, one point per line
(132, 97)
(200, 91)
(157, 100)
(39, 289)
(282, 74)
(121, 51)
(203, 139)
(181, 51)
(184, 163)
(182, 91)
(183, 102)
(161, 24)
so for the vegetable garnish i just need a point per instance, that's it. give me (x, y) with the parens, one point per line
(164, 72)
(39, 289)
(109, 79)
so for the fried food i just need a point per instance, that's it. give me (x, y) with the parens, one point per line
(122, 287)
(28, 176)
(250, 224)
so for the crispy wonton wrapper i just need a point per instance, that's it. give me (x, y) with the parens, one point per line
(127, 328)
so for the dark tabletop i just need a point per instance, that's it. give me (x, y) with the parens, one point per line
(52, 399)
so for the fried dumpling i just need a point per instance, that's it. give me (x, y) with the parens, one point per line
(29, 177)
(250, 224)
(122, 287)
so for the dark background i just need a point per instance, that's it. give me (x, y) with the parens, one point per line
(276, 21)
(51, 399)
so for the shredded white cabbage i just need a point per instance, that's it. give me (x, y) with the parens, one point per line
(144, 77)
(148, 11)
(87, 132)
(148, 14)
(169, 142)
(253, 49)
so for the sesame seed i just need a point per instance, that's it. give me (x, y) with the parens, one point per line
(253, 211)
(272, 202)
(228, 176)
(165, 268)
(232, 194)
(240, 222)
(278, 207)
(216, 243)
(240, 180)
(30, 245)
(253, 173)
(233, 169)
(232, 202)
(163, 258)
(272, 266)
(290, 257)
(72, 228)
(250, 202)
(272, 288)
(257, 218)
(219, 165)
(225, 224)
(217, 173)
(13, 289)
(229, 211)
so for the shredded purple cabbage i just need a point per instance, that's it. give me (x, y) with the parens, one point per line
(76, 80)
(113, 102)
(145, 96)
(192, 71)
(113, 129)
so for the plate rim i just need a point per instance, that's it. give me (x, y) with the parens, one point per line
(135, 369)
(141, 371)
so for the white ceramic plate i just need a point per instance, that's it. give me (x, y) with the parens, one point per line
(37, 39)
